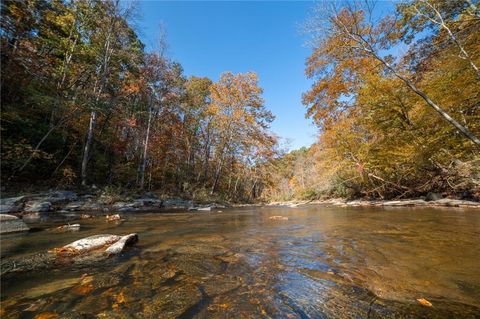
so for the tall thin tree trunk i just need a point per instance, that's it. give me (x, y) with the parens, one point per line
(441, 22)
(215, 180)
(254, 188)
(235, 187)
(466, 132)
(88, 146)
(367, 47)
(145, 149)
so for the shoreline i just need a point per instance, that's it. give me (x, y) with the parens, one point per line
(64, 201)
(341, 202)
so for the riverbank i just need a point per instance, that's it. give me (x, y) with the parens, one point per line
(66, 201)
(340, 202)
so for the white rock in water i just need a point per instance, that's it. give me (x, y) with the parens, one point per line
(205, 208)
(11, 224)
(121, 243)
(72, 227)
(92, 242)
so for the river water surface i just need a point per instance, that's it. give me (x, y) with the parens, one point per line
(238, 263)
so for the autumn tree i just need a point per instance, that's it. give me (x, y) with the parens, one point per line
(239, 118)
(352, 33)
(378, 139)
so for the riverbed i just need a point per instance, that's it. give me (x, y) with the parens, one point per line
(323, 262)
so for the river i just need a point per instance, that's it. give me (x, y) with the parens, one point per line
(323, 262)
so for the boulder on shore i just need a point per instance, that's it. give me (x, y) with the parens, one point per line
(148, 202)
(38, 206)
(177, 203)
(11, 224)
(61, 196)
(433, 196)
(12, 204)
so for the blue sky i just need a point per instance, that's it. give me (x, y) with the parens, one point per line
(208, 38)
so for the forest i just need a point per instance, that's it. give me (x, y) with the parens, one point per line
(395, 97)
(83, 104)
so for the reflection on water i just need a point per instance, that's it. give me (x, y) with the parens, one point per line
(321, 263)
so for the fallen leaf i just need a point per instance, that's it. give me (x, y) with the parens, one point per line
(120, 298)
(65, 251)
(424, 302)
(83, 289)
(46, 315)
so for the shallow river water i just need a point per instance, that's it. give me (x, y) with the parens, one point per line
(237, 263)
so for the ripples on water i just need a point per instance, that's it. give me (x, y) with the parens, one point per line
(321, 263)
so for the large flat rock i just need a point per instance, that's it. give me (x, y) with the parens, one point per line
(11, 224)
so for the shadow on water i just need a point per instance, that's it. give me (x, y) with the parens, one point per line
(321, 263)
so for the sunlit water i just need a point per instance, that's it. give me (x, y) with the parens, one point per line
(321, 263)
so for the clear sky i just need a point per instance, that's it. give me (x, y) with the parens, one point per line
(208, 38)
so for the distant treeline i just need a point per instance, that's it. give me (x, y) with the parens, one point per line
(83, 103)
(397, 100)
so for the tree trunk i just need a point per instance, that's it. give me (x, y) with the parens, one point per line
(254, 189)
(145, 149)
(466, 132)
(88, 146)
(215, 181)
(369, 50)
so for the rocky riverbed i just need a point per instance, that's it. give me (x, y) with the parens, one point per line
(310, 261)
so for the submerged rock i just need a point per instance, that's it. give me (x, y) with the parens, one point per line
(31, 217)
(179, 301)
(11, 224)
